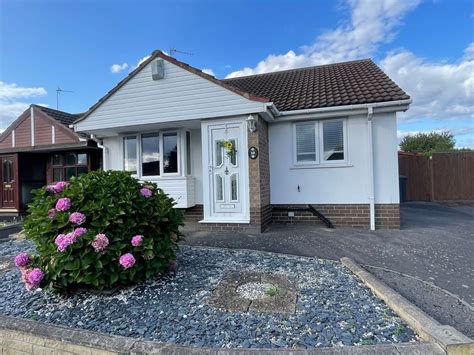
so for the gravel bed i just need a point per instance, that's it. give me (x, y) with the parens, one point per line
(333, 307)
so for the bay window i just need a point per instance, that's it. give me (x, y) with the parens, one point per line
(320, 142)
(153, 154)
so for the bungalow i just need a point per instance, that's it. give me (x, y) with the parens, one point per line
(39, 148)
(241, 153)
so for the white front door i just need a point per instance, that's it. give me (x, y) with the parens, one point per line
(227, 173)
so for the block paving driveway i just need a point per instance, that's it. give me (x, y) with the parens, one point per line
(430, 260)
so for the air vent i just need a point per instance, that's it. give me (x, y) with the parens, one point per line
(157, 69)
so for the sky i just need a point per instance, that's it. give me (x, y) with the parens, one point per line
(87, 46)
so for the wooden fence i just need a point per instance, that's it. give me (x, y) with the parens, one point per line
(443, 177)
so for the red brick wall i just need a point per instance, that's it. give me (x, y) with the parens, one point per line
(259, 177)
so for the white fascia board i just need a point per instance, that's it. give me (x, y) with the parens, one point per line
(347, 110)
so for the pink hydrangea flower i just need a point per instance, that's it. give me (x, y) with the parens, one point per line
(63, 204)
(33, 278)
(145, 192)
(137, 240)
(127, 260)
(79, 231)
(60, 185)
(100, 242)
(62, 241)
(77, 218)
(22, 259)
(51, 213)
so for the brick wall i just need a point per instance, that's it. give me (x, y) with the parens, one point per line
(387, 216)
(259, 177)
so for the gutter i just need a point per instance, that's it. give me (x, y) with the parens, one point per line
(400, 105)
(370, 165)
(105, 151)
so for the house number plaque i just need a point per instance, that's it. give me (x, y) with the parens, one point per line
(253, 153)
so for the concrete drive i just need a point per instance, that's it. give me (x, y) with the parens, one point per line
(430, 261)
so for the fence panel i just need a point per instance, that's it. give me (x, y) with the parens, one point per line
(453, 176)
(417, 170)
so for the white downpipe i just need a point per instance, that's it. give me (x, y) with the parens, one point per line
(105, 151)
(370, 164)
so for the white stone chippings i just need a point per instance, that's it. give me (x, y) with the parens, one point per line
(333, 307)
(254, 290)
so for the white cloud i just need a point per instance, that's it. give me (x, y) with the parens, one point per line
(9, 91)
(117, 68)
(141, 61)
(438, 90)
(208, 71)
(12, 102)
(372, 23)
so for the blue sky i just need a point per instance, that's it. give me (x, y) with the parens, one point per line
(425, 46)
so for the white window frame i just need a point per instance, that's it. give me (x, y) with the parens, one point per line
(138, 137)
(319, 145)
(122, 145)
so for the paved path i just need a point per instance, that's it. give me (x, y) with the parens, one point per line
(430, 260)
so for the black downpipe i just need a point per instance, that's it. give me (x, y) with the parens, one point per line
(311, 209)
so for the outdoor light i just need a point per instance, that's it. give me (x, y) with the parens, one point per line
(251, 124)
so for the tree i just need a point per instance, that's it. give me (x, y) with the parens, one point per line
(428, 143)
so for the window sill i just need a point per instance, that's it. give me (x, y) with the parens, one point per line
(320, 166)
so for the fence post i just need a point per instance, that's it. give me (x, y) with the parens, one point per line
(430, 166)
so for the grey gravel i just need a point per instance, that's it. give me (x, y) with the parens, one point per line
(333, 307)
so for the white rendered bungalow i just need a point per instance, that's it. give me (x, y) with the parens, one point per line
(239, 154)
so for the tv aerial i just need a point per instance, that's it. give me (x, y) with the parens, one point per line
(174, 51)
(59, 91)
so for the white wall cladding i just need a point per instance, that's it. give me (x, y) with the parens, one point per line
(181, 95)
(333, 185)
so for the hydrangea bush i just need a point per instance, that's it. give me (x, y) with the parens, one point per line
(100, 230)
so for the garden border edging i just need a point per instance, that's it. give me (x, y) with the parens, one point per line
(31, 337)
(450, 339)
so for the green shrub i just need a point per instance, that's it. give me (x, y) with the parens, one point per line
(116, 208)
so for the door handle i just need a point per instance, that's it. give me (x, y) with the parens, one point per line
(209, 169)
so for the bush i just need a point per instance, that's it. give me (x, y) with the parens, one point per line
(100, 230)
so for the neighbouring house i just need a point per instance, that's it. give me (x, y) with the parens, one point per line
(241, 153)
(39, 148)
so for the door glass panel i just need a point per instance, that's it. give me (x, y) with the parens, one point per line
(71, 159)
(170, 152)
(234, 187)
(233, 154)
(7, 171)
(82, 159)
(219, 188)
(218, 153)
(70, 172)
(57, 174)
(150, 154)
